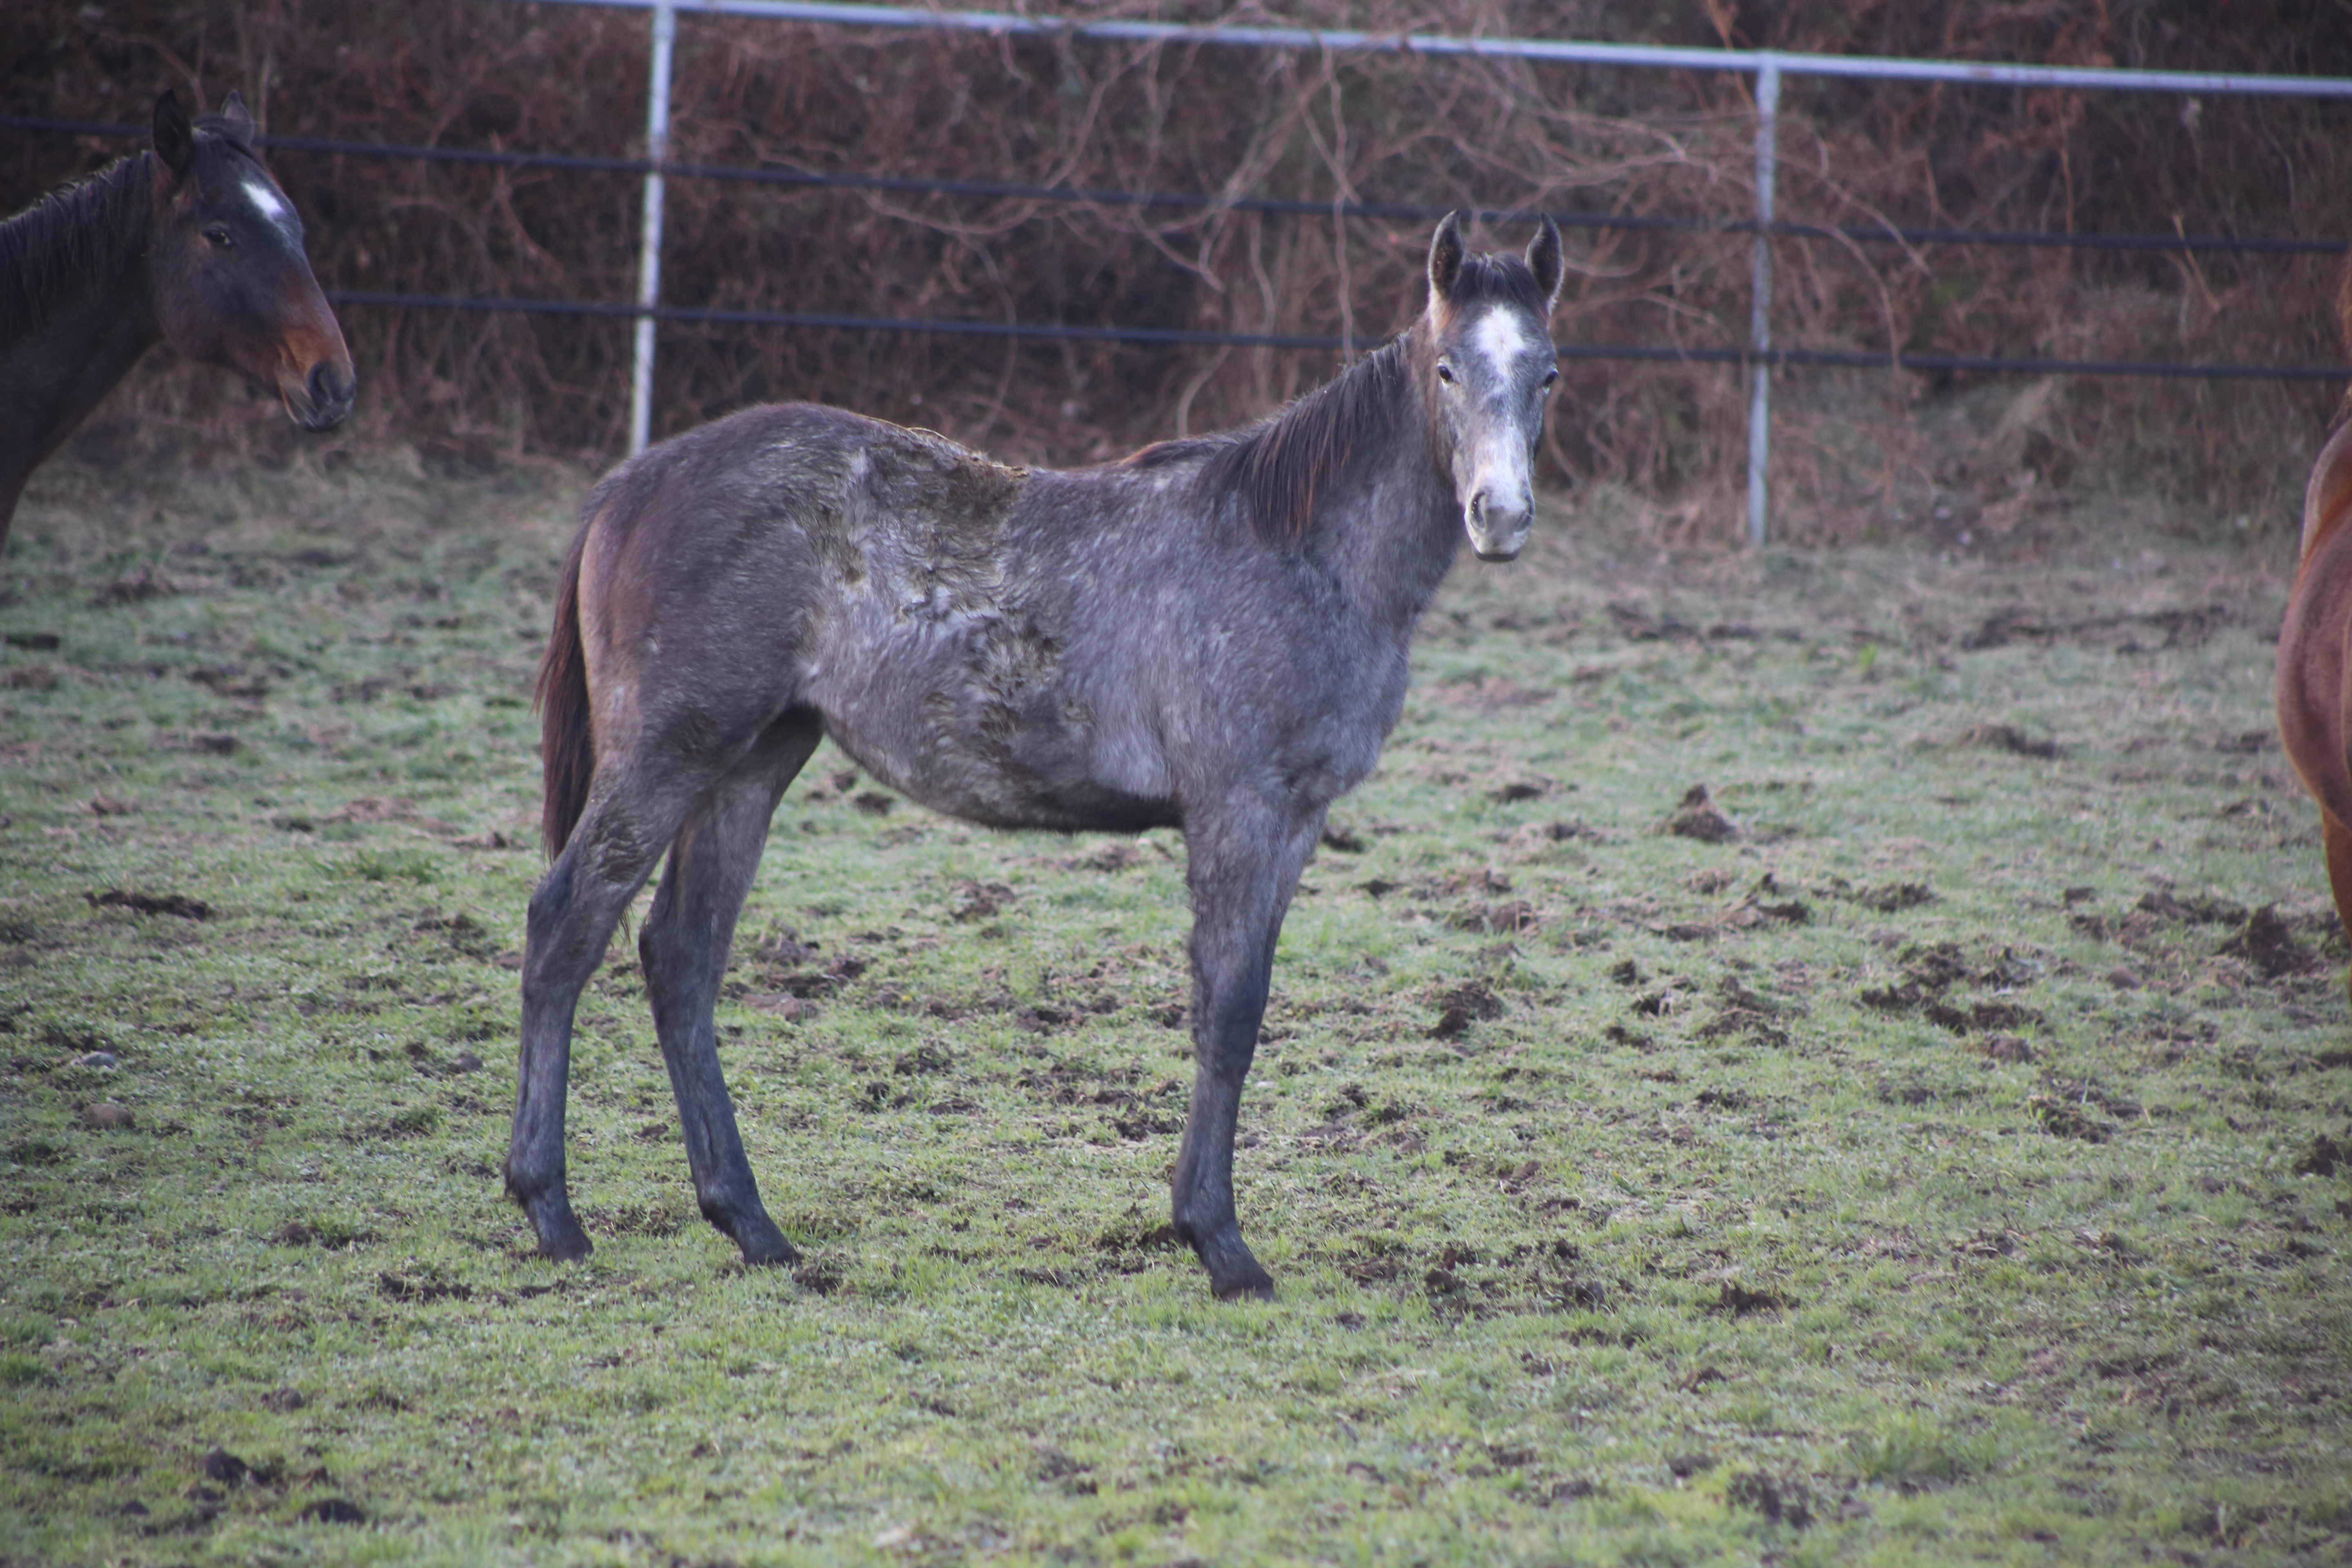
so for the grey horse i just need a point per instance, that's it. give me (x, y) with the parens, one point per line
(1211, 635)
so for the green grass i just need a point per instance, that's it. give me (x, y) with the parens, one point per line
(1937, 1171)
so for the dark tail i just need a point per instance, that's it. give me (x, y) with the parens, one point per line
(567, 749)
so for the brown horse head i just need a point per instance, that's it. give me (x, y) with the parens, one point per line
(231, 284)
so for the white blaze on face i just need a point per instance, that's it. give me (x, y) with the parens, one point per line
(1498, 476)
(268, 202)
(1502, 340)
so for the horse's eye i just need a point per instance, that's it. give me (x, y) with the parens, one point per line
(1445, 372)
(220, 237)
(1551, 376)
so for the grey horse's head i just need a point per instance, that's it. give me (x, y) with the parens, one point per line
(1493, 365)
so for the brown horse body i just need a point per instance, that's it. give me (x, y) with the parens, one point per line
(190, 242)
(2315, 696)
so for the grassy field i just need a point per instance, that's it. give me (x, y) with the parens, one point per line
(1932, 1146)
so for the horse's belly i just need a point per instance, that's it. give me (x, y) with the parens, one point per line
(1021, 780)
(938, 720)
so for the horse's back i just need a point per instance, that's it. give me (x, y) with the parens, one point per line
(2315, 705)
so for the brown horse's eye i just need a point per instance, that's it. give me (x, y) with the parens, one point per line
(1551, 376)
(1445, 372)
(220, 237)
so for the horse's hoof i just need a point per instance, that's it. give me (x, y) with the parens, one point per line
(764, 1246)
(569, 1249)
(560, 1236)
(1235, 1272)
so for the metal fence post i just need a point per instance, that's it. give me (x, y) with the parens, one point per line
(1760, 318)
(641, 373)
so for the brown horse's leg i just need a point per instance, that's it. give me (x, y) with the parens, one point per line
(572, 918)
(684, 947)
(1245, 864)
(2338, 839)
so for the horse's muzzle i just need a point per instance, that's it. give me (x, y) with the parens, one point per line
(322, 399)
(1498, 532)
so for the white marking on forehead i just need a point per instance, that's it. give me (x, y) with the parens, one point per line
(1499, 336)
(273, 205)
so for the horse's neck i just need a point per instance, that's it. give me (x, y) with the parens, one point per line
(78, 328)
(1392, 529)
(2327, 498)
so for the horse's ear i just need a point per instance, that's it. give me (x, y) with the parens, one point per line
(1445, 259)
(237, 121)
(175, 138)
(1546, 262)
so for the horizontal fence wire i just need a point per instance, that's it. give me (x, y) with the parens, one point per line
(1836, 359)
(698, 315)
(1867, 233)
(1555, 51)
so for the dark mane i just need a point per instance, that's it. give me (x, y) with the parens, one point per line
(81, 231)
(1497, 280)
(1277, 469)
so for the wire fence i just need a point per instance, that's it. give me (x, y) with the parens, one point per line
(1068, 332)
(1273, 206)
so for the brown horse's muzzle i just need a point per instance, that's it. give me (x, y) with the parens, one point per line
(314, 375)
(322, 399)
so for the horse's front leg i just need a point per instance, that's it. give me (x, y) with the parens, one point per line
(1244, 865)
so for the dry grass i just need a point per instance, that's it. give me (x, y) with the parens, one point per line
(1857, 451)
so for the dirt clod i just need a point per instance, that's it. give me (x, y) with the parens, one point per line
(177, 904)
(1738, 1301)
(134, 587)
(332, 1511)
(2265, 943)
(1700, 817)
(2325, 1157)
(1788, 1502)
(109, 1115)
(2008, 738)
(820, 1276)
(1894, 897)
(1463, 1006)
(223, 1467)
(979, 900)
(2006, 1048)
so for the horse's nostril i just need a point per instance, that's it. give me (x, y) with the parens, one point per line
(328, 389)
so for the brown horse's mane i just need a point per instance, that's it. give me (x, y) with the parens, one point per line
(77, 231)
(1280, 468)
(87, 229)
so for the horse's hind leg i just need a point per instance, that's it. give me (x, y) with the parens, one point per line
(572, 917)
(684, 943)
